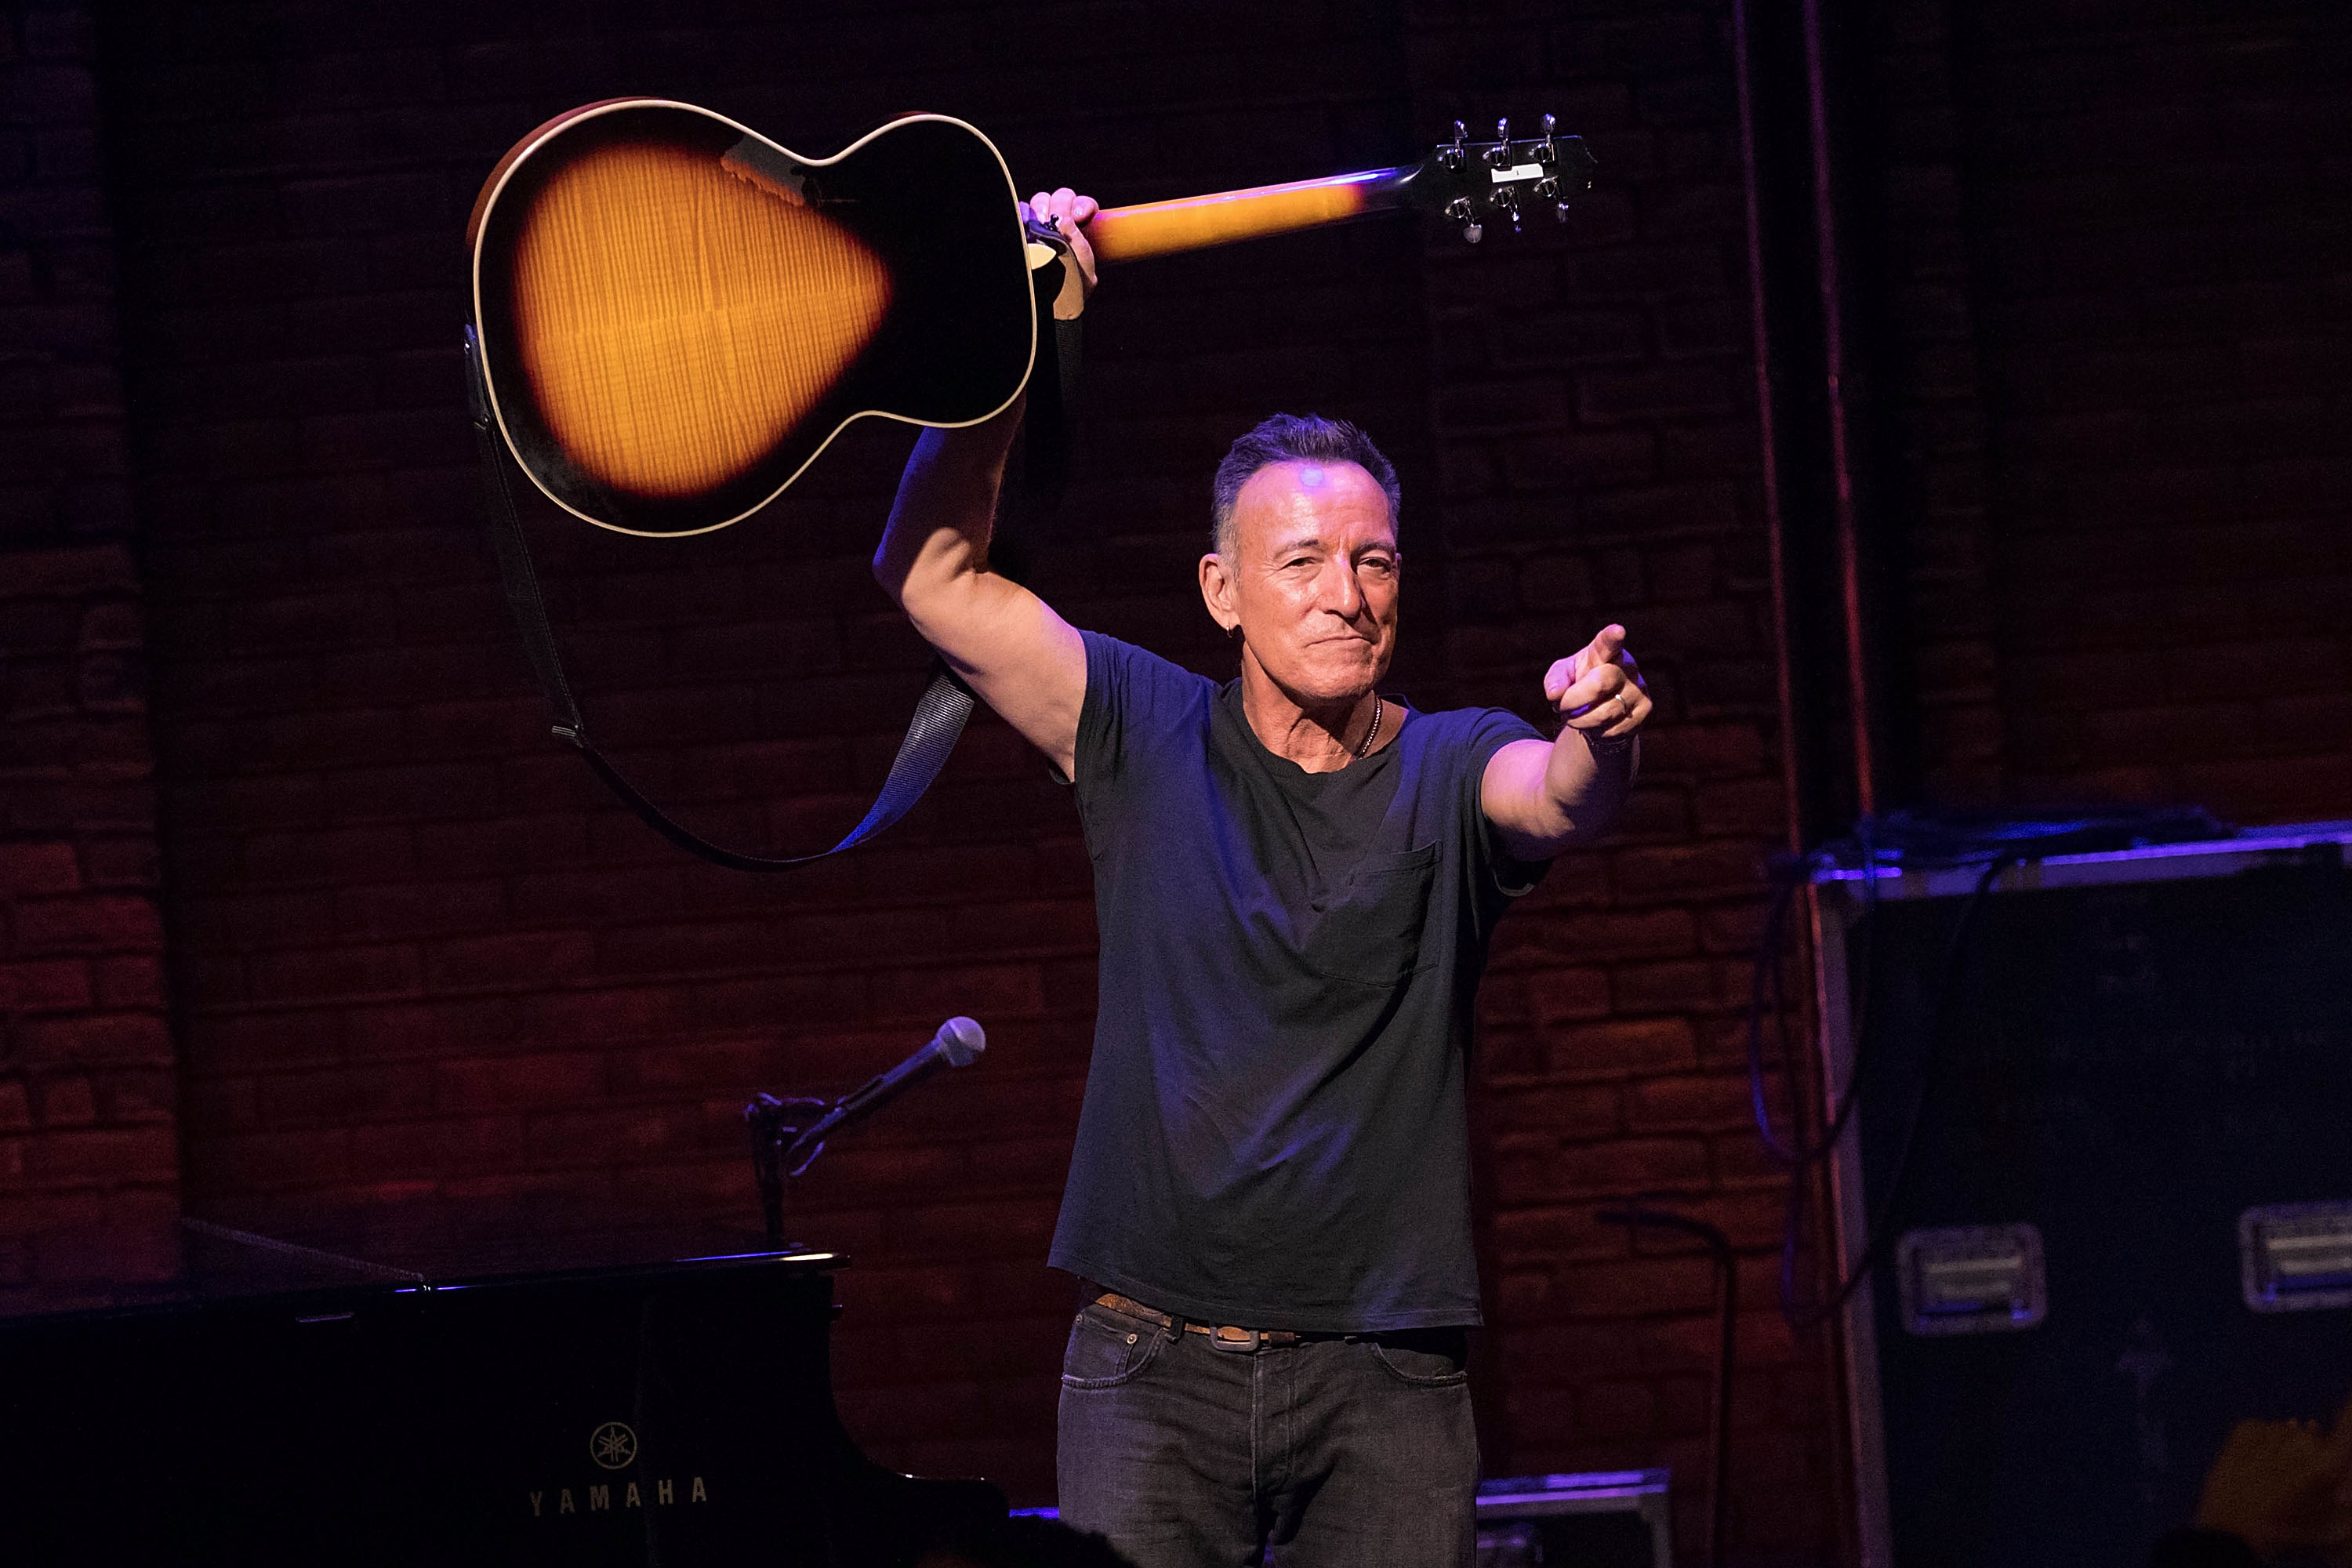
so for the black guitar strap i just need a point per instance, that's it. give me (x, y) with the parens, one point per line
(1053, 380)
(939, 718)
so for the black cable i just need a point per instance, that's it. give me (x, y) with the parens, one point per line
(1767, 995)
(1881, 1229)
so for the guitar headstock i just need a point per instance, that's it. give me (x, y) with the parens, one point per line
(1476, 183)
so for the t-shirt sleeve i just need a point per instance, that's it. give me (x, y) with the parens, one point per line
(1135, 703)
(1496, 874)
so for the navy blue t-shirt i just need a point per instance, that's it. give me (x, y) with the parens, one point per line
(1273, 1131)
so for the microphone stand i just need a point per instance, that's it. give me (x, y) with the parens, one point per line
(786, 1140)
(775, 1124)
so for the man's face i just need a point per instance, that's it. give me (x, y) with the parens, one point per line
(1312, 581)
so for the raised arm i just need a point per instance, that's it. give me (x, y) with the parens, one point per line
(1543, 795)
(1023, 660)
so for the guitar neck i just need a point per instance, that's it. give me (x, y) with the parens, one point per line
(1196, 223)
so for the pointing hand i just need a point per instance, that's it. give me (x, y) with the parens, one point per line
(1598, 690)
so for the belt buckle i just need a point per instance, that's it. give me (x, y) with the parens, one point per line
(1235, 1342)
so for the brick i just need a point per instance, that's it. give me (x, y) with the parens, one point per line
(1617, 1047)
(104, 1156)
(31, 870)
(1702, 751)
(137, 1096)
(1630, 1408)
(1582, 1111)
(85, 924)
(499, 1083)
(1640, 988)
(121, 861)
(70, 572)
(1687, 870)
(1639, 1287)
(1596, 937)
(51, 986)
(264, 1161)
(1699, 1103)
(127, 1039)
(366, 1093)
(1558, 1233)
(1614, 396)
(303, 974)
(67, 1102)
(538, 958)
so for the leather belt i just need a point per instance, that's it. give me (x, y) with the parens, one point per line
(1224, 1336)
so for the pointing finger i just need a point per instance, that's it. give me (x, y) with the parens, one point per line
(1578, 699)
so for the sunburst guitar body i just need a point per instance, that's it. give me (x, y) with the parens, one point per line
(676, 314)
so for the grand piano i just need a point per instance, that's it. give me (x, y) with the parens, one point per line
(575, 1398)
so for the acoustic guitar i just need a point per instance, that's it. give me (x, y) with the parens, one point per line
(676, 314)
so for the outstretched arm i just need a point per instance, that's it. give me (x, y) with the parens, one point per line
(1543, 795)
(1023, 660)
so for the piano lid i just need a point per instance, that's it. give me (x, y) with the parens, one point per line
(417, 1243)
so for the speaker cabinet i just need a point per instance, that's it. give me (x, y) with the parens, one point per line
(2125, 1222)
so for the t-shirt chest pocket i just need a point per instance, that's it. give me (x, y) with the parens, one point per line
(1368, 929)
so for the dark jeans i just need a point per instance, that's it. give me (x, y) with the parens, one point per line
(1356, 1452)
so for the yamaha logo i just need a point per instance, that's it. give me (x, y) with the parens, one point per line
(612, 1446)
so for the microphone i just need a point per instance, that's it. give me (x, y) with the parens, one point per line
(958, 1044)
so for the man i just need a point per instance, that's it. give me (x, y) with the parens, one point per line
(1295, 879)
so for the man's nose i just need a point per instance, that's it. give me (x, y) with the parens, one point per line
(1343, 595)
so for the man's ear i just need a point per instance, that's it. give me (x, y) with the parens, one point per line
(1217, 593)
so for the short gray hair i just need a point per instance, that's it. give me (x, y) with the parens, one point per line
(1292, 439)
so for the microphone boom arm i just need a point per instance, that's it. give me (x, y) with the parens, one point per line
(959, 1043)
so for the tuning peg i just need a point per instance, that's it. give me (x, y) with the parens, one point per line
(1461, 212)
(1457, 152)
(1550, 153)
(1507, 200)
(1550, 191)
(1500, 154)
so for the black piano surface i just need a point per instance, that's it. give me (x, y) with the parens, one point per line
(576, 1399)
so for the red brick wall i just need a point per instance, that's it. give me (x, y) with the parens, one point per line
(415, 953)
(2162, 218)
(88, 1161)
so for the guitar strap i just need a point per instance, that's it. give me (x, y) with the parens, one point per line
(939, 718)
(1052, 405)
